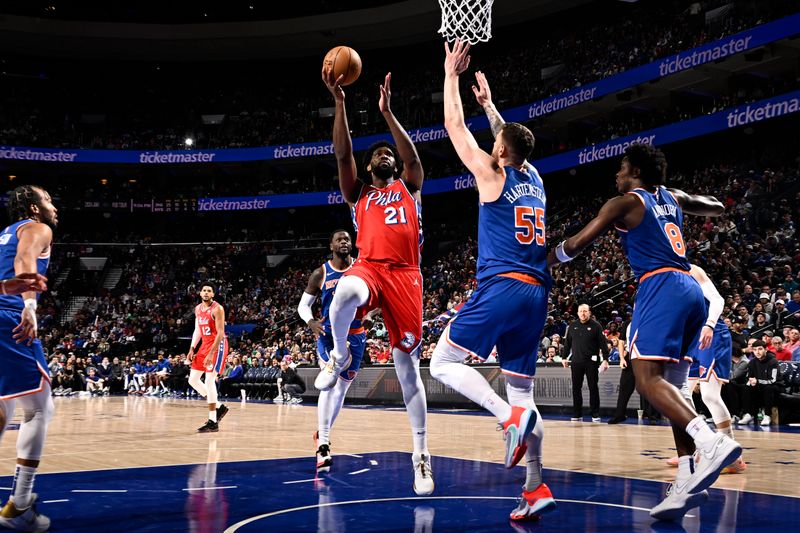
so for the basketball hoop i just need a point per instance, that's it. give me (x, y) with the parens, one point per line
(466, 20)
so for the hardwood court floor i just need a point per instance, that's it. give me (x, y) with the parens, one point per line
(121, 432)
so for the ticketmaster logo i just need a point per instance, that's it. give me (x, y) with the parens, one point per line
(212, 204)
(283, 152)
(680, 62)
(757, 113)
(194, 157)
(545, 107)
(588, 155)
(37, 155)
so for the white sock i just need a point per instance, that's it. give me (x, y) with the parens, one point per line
(212, 415)
(726, 431)
(685, 467)
(22, 488)
(699, 431)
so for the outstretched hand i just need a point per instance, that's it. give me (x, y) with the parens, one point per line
(457, 59)
(384, 104)
(25, 282)
(333, 84)
(482, 92)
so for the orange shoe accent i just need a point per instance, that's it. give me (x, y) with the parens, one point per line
(736, 467)
(673, 461)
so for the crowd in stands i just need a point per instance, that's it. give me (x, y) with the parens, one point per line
(258, 112)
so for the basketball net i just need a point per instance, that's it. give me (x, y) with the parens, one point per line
(466, 20)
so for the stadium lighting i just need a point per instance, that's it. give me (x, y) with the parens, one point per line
(189, 141)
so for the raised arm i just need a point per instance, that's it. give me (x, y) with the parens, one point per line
(342, 143)
(613, 210)
(698, 204)
(483, 94)
(413, 174)
(488, 176)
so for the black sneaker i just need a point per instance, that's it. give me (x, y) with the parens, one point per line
(221, 412)
(209, 427)
(324, 459)
(617, 420)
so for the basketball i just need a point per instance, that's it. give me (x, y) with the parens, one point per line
(344, 61)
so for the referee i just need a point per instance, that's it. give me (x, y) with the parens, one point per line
(584, 343)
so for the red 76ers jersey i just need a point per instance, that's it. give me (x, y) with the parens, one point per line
(206, 322)
(389, 224)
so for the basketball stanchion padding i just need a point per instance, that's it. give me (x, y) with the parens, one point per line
(466, 20)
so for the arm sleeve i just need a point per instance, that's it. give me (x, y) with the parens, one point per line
(716, 303)
(304, 308)
(196, 334)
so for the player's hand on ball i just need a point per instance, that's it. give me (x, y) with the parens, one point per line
(384, 104)
(333, 84)
(482, 92)
(457, 58)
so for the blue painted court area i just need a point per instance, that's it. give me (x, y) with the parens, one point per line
(373, 493)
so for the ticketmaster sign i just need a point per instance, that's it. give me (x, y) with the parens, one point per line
(735, 44)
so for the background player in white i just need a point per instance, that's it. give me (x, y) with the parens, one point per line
(25, 250)
(209, 330)
(509, 307)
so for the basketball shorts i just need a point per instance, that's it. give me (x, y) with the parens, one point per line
(397, 290)
(24, 368)
(667, 316)
(356, 342)
(716, 359)
(219, 358)
(506, 312)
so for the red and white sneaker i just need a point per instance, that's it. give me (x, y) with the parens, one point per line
(532, 505)
(515, 430)
(736, 467)
(324, 457)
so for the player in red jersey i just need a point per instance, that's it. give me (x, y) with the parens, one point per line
(209, 331)
(386, 214)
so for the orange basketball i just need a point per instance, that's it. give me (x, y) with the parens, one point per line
(344, 61)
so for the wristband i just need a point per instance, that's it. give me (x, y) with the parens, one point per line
(561, 254)
(31, 304)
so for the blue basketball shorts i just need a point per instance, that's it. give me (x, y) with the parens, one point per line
(667, 316)
(507, 313)
(356, 342)
(716, 359)
(23, 368)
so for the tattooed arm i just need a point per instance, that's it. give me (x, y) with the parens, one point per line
(484, 97)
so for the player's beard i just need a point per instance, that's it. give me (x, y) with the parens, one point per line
(383, 172)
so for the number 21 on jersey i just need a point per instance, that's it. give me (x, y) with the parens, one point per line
(529, 222)
(673, 233)
(394, 215)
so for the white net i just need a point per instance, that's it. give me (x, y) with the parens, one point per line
(466, 20)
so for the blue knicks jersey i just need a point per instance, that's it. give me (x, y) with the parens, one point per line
(329, 282)
(8, 252)
(511, 230)
(657, 242)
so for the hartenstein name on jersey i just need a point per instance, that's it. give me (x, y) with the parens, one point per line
(382, 198)
(665, 210)
(524, 189)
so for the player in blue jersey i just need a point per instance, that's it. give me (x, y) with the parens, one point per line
(323, 281)
(668, 315)
(711, 364)
(509, 307)
(24, 378)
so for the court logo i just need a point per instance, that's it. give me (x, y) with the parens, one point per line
(409, 340)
